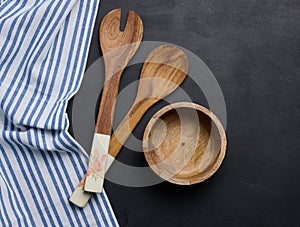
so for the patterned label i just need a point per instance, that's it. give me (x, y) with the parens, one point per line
(97, 163)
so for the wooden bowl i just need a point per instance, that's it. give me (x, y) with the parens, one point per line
(184, 143)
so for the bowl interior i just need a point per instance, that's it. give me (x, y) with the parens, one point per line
(183, 144)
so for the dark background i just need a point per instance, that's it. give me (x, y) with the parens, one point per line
(252, 47)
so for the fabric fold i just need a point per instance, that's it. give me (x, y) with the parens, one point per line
(43, 52)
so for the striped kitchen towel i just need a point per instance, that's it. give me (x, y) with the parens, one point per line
(43, 51)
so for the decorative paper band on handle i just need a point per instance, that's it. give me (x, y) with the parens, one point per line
(80, 197)
(96, 169)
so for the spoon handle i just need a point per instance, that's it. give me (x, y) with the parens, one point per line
(128, 124)
(81, 196)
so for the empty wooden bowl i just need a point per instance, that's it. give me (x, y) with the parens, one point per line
(184, 143)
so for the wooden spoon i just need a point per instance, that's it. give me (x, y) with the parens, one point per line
(117, 48)
(163, 71)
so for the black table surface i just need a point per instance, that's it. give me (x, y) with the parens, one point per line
(252, 47)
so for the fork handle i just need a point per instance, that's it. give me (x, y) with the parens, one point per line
(96, 169)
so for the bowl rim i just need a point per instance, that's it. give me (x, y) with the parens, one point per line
(194, 179)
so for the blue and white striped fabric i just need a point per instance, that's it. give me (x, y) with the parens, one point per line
(43, 52)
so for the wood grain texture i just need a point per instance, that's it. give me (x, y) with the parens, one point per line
(184, 143)
(163, 71)
(118, 47)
